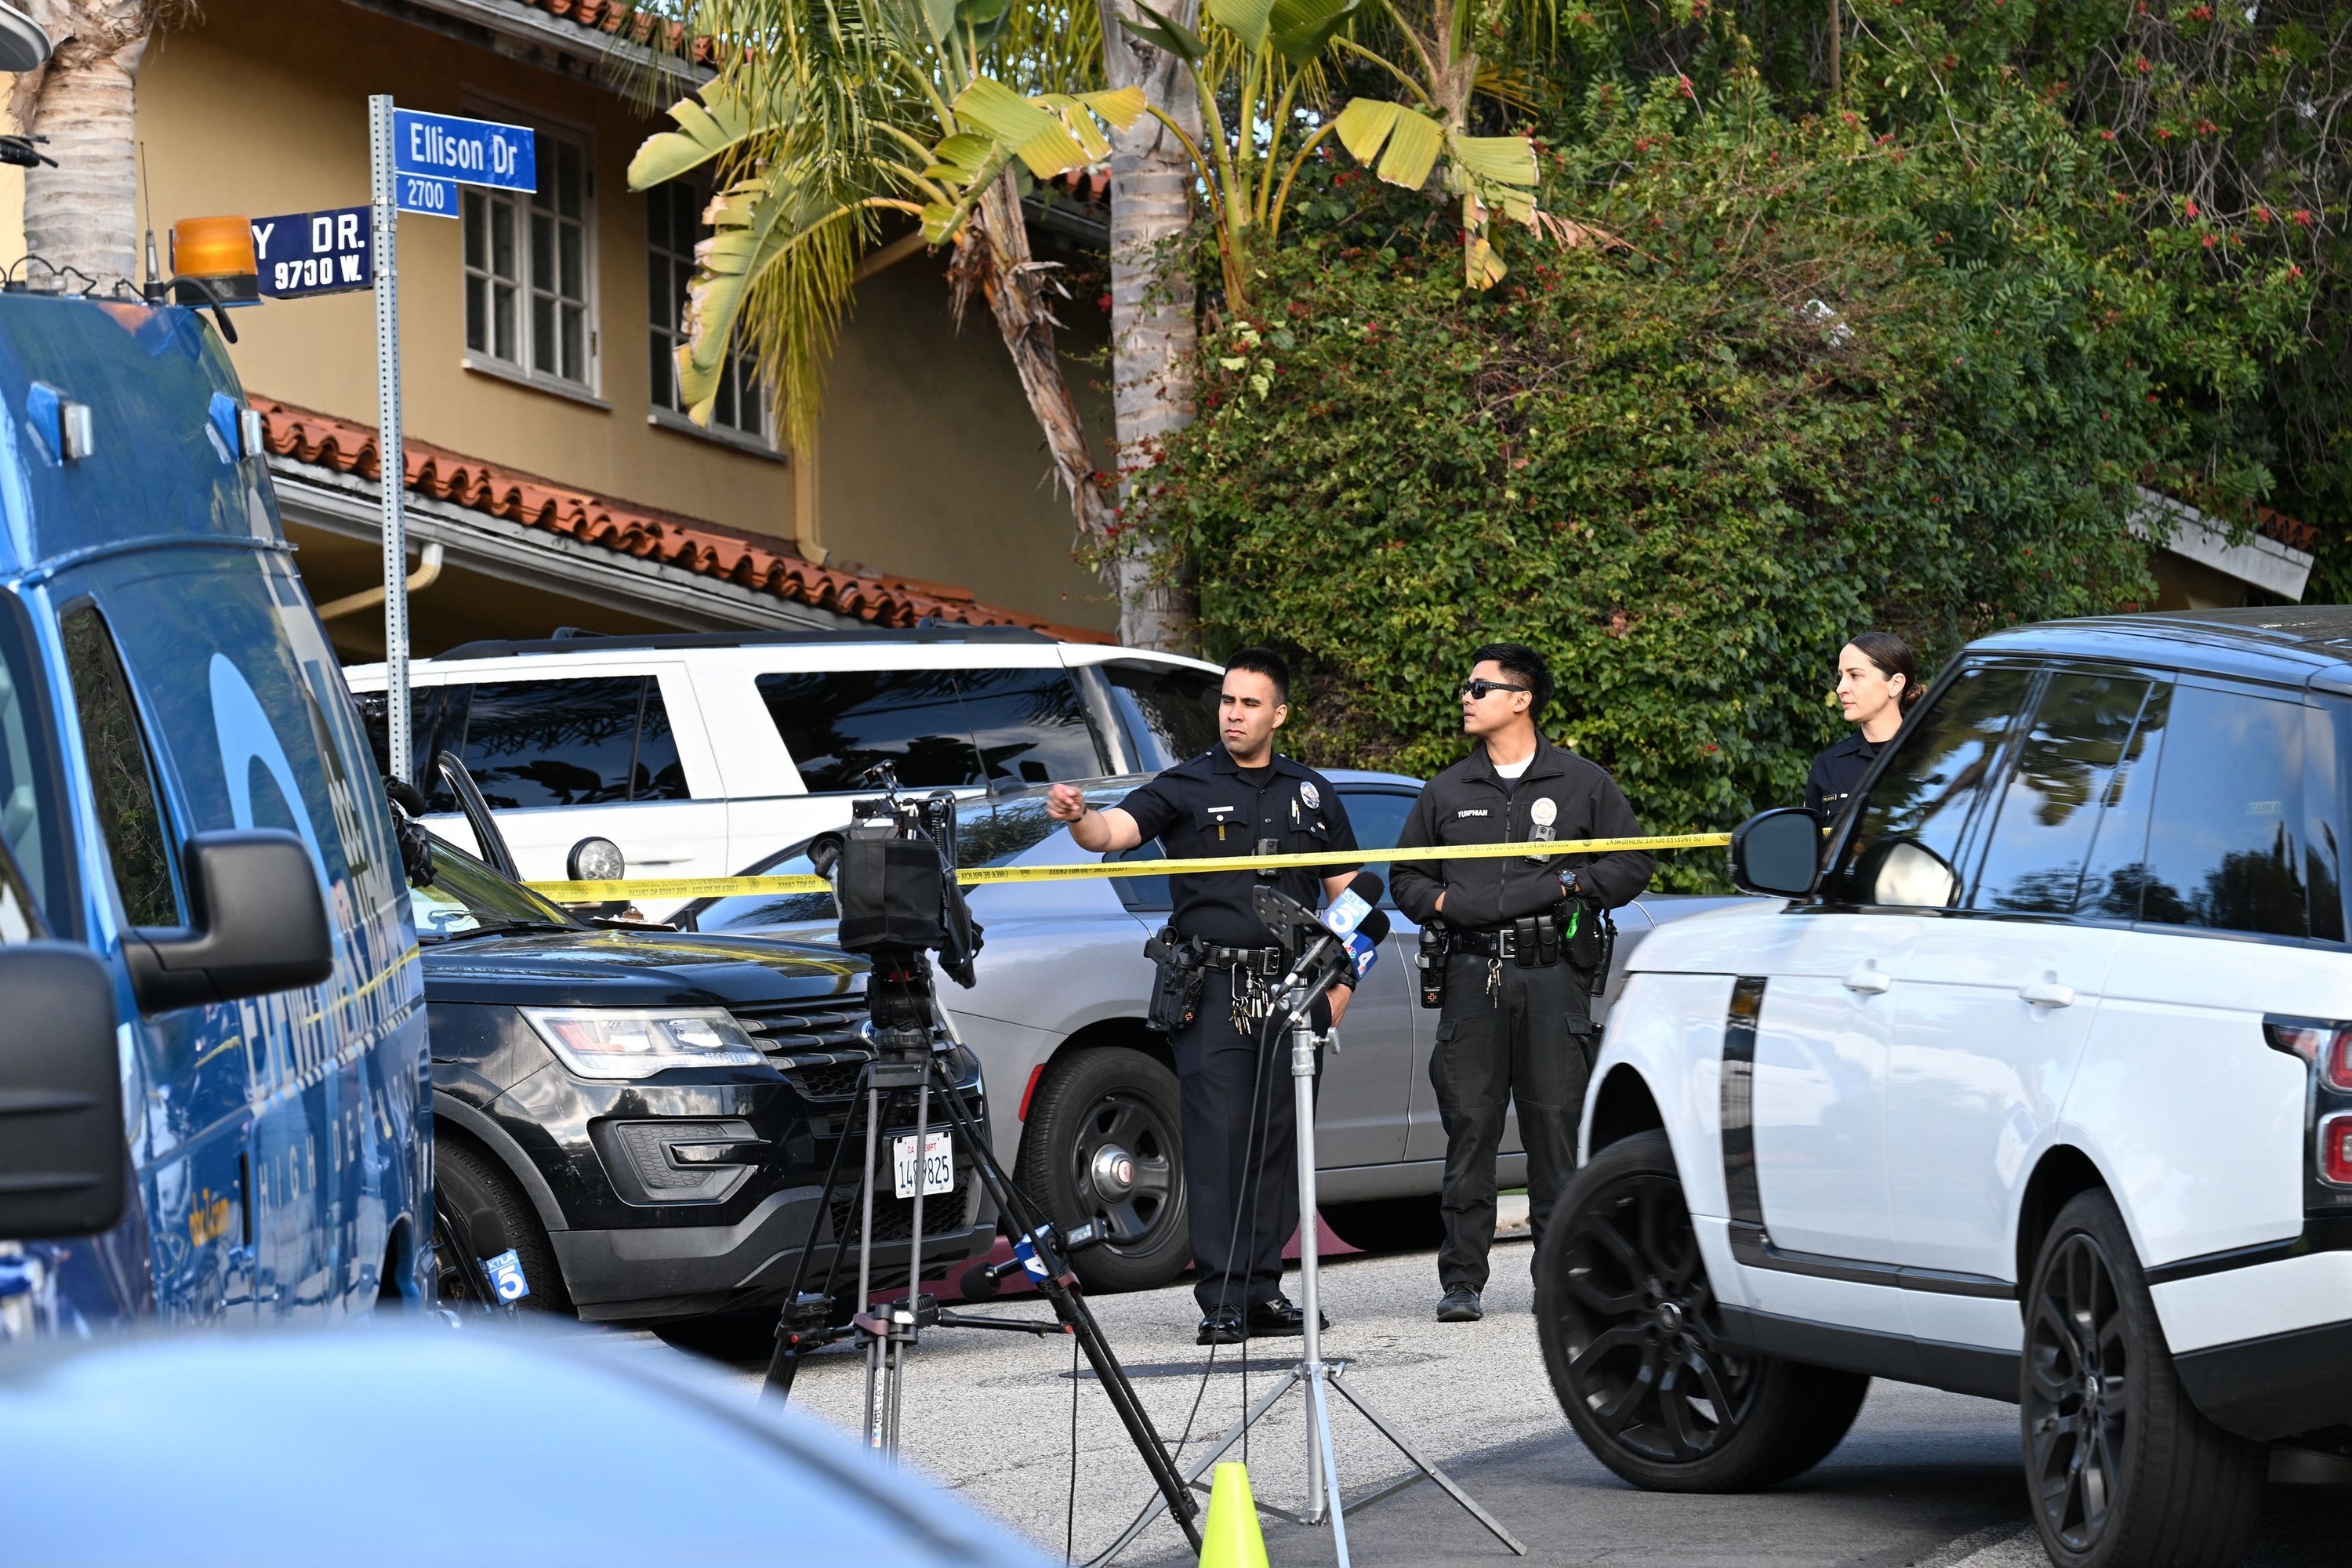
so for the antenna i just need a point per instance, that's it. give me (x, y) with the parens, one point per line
(147, 204)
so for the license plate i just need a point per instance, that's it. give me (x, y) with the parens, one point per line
(939, 1163)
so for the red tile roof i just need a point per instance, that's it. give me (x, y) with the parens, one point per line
(623, 17)
(708, 549)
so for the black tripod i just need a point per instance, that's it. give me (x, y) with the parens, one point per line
(909, 1062)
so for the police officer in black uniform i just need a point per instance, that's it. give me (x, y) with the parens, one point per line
(1878, 681)
(1233, 1062)
(1516, 1024)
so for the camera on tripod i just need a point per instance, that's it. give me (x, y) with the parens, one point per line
(893, 873)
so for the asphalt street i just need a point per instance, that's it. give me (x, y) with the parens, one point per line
(1925, 1478)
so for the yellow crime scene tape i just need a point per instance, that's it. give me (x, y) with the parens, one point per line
(989, 876)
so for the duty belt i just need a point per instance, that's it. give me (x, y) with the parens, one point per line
(1265, 962)
(1500, 943)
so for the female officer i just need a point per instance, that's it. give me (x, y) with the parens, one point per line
(1878, 680)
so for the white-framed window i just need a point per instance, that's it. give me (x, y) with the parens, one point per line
(672, 225)
(531, 276)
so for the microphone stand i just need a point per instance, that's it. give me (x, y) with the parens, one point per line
(1315, 1377)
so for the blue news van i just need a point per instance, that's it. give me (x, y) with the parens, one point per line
(215, 1088)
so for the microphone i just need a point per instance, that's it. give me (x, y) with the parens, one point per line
(1364, 942)
(1355, 902)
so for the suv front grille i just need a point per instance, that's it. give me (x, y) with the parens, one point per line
(817, 1045)
(944, 1214)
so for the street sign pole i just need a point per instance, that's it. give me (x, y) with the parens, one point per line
(391, 468)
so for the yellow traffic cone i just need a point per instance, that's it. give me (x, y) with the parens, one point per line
(1231, 1538)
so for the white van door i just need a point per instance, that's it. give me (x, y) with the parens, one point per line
(962, 729)
(609, 755)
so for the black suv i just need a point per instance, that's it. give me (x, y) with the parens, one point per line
(651, 1113)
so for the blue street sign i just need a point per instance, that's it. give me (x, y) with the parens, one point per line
(472, 152)
(423, 193)
(314, 253)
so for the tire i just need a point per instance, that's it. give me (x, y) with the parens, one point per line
(2122, 1469)
(1090, 1109)
(1389, 1224)
(465, 1180)
(1634, 1341)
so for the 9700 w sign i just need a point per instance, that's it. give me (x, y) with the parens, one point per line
(315, 253)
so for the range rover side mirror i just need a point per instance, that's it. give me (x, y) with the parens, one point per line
(62, 1162)
(261, 925)
(1777, 852)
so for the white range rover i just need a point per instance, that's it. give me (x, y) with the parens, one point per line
(2034, 1081)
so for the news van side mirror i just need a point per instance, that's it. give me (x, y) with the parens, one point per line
(62, 1162)
(261, 925)
(1777, 852)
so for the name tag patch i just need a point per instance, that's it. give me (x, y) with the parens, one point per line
(1472, 811)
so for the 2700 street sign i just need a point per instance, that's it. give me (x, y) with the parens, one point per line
(471, 151)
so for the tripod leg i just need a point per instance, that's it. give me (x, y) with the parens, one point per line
(874, 1344)
(1018, 1214)
(1318, 1421)
(1425, 1468)
(1200, 1467)
(784, 1361)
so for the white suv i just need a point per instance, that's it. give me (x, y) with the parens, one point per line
(700, 753)
(2036, 1083)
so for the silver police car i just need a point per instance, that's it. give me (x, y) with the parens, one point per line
(1083, 1096)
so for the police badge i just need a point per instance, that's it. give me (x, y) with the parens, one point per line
(1310, 794)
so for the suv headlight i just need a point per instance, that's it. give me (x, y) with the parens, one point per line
(621, 1042)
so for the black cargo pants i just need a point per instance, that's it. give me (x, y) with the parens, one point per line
(1241, 1149)
(1506, 1033)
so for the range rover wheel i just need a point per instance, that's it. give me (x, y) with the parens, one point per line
(1633, 1340)
(2123, 1469)
(1103, 1138)
(463, 1181)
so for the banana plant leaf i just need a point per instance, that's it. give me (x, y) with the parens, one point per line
(708, 127)
(1173, 36)
(1245, 19)
(1405, 141)
(1299, 29)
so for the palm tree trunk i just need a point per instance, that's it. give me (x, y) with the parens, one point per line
(83, 214)
(1154, 331)
(994, 252)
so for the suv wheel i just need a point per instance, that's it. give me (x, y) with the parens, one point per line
(464, 1181)
(1103, 1138)
(2122, 1467)
(1633, 1340)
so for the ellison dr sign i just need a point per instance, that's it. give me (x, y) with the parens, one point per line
(471, 152)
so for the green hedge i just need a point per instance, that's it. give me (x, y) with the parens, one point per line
(1812, 381)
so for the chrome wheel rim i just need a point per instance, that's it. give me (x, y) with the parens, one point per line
(1123, 1163)
(2078, 1395)
(1638, 1323)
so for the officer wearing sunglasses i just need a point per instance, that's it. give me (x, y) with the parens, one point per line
(1515, 1025)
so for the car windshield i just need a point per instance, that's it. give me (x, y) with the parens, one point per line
(989, 831)
(467, 899)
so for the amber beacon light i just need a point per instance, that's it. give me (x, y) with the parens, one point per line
(218, 250)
